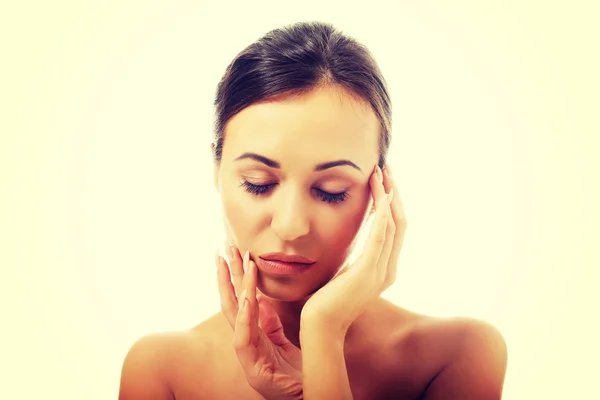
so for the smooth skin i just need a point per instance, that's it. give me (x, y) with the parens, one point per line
(420, 358)
(329, 313)
(369, 347)
(272, 364)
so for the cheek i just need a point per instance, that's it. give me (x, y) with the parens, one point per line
(239, 218)
(341, 230)
(335, 230)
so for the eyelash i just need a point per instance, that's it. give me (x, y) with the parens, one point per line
(260, 190)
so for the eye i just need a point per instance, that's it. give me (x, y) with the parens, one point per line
(260, 190)
(332, 198)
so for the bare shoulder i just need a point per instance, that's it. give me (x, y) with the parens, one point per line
(470, 357)
(426, 357)
(144, 374)
(460, 333)
(151, 369)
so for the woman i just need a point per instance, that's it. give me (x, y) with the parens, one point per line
(303, 129)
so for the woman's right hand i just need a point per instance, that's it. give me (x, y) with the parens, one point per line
(272, 364)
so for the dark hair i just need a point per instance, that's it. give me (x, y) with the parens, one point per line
(294, 60)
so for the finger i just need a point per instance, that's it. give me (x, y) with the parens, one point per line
(237, 270)
(387, 183)
(247, 336)
(271, 323)
(259, 298)
(227, 296)
(386, 188)
(246, 351)
(376, 186)
(377, 237)
(399, 217)
(384, 264)
(396, 206)
(341, 271)
(250, 288)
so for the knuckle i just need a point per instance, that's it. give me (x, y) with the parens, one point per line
(376, 279)
(238, 347)
(225, 308)
(266, 369)
(402, 222)
(380, 238)
(392, 226)
(381, 279)
(389, 280)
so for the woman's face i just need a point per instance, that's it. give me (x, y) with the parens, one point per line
(287, 206)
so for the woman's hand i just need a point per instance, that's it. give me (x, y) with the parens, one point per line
(337, 304)
(272, 364)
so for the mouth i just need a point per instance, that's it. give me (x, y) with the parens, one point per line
(280, 264)
(286, 258)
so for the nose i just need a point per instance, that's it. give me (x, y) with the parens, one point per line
(290, 216)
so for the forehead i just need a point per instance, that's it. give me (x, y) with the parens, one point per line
(321, 125)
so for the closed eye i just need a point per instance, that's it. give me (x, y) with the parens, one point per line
(261, 190)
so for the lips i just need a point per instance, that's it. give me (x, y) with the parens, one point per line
(286, 258)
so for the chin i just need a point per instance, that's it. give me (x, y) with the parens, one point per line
(284, 289)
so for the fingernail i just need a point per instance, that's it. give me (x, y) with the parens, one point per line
(388, 169)
(246, 260)
(390, 196)
(379, 174)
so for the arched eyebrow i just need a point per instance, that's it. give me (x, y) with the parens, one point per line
(319, 167)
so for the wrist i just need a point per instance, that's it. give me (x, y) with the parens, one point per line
(317, 329)
(323, 362)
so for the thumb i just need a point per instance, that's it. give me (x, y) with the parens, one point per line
(341, 271)
(271, 323)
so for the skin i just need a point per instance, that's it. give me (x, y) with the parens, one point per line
(387, 351)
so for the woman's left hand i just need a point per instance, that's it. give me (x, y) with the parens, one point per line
(337, 304)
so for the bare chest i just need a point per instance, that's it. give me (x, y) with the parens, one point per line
(394, 361)
(370, 378)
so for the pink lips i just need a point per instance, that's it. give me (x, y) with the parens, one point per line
(282, 264)
(289, 258)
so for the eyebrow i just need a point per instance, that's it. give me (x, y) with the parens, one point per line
(319, 167)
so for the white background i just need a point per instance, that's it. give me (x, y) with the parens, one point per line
(109, 219)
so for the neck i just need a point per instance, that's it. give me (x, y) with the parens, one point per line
(289, 313)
